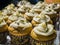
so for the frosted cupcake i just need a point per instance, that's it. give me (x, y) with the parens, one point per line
(10, 7)
(19, 32)
(25, 8)
(39, 8)
(23, 2)
(12, 18)
(5, 17)
(29, 15)
(56, 7)
(43, 34)
(29, 6)
(21, 9)
(40, 19)
(8, 10)
(50, 12)
(3, 30)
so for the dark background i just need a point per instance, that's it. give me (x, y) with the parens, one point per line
(4, 3)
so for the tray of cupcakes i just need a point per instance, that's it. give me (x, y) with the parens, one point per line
(29, 24)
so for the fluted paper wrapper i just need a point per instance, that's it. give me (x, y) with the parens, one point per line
(35, 42)
(3, 37)
(20, 40)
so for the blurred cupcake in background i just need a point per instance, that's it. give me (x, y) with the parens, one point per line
(38, 7)
(51, 13)
(8, 10)
(43, 34)
(22, 9)
(40, 19)
(29, 15)
(23, 2)
(54, 6)
(19, 32)
(10, 7)
(5, 17)
(15, 16)
(25, 8)
(12, 18)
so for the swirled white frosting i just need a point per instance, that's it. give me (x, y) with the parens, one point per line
(25, 8)
(49, 11)
(39, 7)
(22, 3)
(28, 5)
(21, 9)
(13, 17)
(2, 22)
(31, 14)
(21, 23)
(41, 18)
(44, 29)
(39, 3)
(54, 6)
(16, 13)
(5, 12)
(3, 17)
(9, 7)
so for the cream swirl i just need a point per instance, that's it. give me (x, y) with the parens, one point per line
(44, 29)
(13, 17)
(31, 14)
(39, 7)
(54, 6)
(21, 23)
(3, 17)
(6, 12)
(10, 7)
(41, 18)
(2, 22)
(21, 9)
(48, 11)
(23, 2)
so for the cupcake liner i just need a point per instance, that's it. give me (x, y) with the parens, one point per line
(3, 38)
(35, 42)
(19, 40)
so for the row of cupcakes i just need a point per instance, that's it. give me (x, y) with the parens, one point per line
(26, 26)
(21, 29)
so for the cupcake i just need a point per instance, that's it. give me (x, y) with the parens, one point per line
(43, 34)
(19, 32)
(22, 2)
(51, 13)
(8, 10)
(12, 18)
(40, 19)
(25, 8)
(55, 7)
(29, 15)
(5, 17)
(10, 7)
(39, 8)
(22, 9)
(3, 31)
